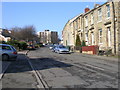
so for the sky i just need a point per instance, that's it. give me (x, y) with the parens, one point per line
(42, 15)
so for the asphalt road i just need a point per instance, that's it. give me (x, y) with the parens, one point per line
(74, 70)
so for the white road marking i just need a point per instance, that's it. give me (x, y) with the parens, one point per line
(95, 67)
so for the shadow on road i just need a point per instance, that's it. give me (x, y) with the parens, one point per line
(47, 63)
(22, 65)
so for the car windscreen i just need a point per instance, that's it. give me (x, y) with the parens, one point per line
(13, 48)
(62, 47)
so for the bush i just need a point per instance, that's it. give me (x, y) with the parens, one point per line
(18, 44)
(3, 42)
(22, 45)
(83, 43)
(13, 43)
(78, 42)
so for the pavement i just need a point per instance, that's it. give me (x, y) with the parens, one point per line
(5, 64)
(23, 52)
(3, 67)
(19, 75)
(110, 58)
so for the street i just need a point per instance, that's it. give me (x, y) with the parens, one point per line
(73, 70)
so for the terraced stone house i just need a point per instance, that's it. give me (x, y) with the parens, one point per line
(98, 26)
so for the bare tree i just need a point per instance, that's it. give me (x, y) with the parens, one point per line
(26, 33)
(15, 33)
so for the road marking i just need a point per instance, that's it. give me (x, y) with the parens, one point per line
(94, 67)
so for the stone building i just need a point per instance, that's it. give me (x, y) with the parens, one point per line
(99, 26)
(48, 37)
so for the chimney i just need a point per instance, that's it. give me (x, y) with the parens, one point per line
(87, 9)
(96, 5)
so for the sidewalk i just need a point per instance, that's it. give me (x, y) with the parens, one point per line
(23, 52)
(99, 57)
(19, 74)
(5, 64)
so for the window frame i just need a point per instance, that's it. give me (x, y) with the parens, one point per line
(92, 18)
(86, 21)
(108, 11)
(100, 36)
(99, 15)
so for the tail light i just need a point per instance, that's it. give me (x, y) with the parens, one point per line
(14, 52)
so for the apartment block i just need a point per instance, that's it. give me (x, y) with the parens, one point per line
(99, 26)
(48, 37)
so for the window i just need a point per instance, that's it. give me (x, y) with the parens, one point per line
(99, 14)
(92, 37)
(86, 38)
(86, 21)
(0, 47)
(81, 35)
(76, 25)
(92, 18)
(6, 48)
(108, 11)
(100, 35)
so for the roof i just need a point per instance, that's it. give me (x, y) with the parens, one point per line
(5, 44)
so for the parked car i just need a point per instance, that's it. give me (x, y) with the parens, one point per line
(61, 49)
(51, 46)
(31, 47)
(7, 52)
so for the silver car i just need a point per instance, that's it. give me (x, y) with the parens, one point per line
(7, 52)
(61, 49)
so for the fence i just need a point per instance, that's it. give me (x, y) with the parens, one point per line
(85, 49)
(90, 49)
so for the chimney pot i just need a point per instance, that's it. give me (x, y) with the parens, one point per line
(87, 9)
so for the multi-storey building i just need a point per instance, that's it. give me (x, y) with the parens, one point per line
(48, 37)
(99, 26)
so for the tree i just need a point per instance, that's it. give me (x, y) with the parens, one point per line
(15, 33)
(78, 42)
(83, 43)
(27, 33)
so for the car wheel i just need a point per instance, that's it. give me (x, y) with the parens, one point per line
(58, 52)
(5, 57)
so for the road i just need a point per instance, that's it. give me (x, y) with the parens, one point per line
(52, 70)
(74, 70)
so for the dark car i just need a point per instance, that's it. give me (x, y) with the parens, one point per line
(31, 47)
